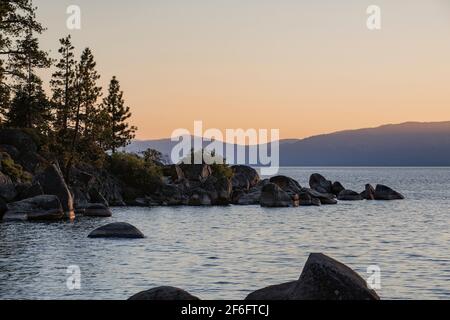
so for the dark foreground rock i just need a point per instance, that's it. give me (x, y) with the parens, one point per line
(117, 230)
(97, 210)
(323, 278)
(337, 188)
(40, 208)
(273, 196)
(164, 293)
(319, 183)
(385, 193)
(244, 178)
(368, 193)
(349, 195)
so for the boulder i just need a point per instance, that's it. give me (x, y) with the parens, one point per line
(219, 190)
(368, 193)
(337, 188)
(325, 198)
(45, 208)
(274, 196)
(324, 278)
(244, 177)
(305, 199)
(18, 139)
(385, 193)
(174, 172)
(252, 197)
(163, 293)
(349, 195)
(196, 172)
(117, 230)
(288, 185)
(278, 292)
(3, 208)
(7, 189)
(97, 210)
(29, 190)
(200, 197)
(52, 182)
(319, 183)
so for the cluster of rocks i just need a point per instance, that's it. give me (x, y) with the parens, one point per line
(323, 278)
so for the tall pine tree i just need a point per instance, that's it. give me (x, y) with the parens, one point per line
(120, 132)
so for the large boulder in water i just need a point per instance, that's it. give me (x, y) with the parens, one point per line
(337, 188)
(117, 230)
(385, 193)
(368, 193)
(164, 294)
(97, 210)
(40, 208)
(52, 182)
(319, 183)
(288, 185)
(324, 278)
(244, 178)
(277, 292)
(349, 195)
(273, 196)
(325, 198)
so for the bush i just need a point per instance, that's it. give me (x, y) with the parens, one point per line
(136, 172)
(14, 170)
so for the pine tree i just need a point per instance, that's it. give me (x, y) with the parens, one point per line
(63, 85)
(120, 131)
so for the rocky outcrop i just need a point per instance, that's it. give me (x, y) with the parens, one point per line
(28, 190)
(337, 188)
(305, 199)
(45, 208)
(244, 178)
(383, 192)
(324, 198)
(196, 172)
(273, 196)
(164, 293)
(52, 182)
(288, 185)
(349, 195)
(219, 190)
(117, 230)
(97, 210)
(368, 193)
(319, 183)
(7, 189)
(323, 278)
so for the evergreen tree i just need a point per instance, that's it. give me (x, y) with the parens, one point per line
(63, 85)
(121, 133)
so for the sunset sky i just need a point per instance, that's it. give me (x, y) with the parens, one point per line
(304, 67)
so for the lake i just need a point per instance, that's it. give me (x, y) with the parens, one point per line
(227, 252)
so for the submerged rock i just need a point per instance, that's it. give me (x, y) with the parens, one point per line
(97, 210)
(46, 208)
(164, 294)
(323, 278)
(117, 230)
(349, 195)
(273, 196)
(385, 193)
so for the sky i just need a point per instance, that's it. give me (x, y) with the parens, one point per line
(303, 67)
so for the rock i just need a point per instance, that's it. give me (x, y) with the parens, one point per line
(46, 208)
(288, 185)
(196, 172)
(325, 198)
(18, 139)
(305, 199)
(29, 190)
(97, 210)
(10, 150)
(252, 197)
(3, 208)
(385, 193)
(7, 189)
(164, 293)
(219, 190)
(349, 195)
(319, 183)
(369, 193)
(273, 196)
(117, 230)
(337, 188)
(96, 197)
(280, 292)
(244, 178)
(52, 182)
(174, 172)
(172, 195)
(200, 197)
(324, 278)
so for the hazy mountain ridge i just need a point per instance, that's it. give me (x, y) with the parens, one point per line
(406, 144)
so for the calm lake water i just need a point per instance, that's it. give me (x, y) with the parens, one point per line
(225, 253)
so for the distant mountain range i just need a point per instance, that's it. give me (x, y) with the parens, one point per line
(406, 144)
